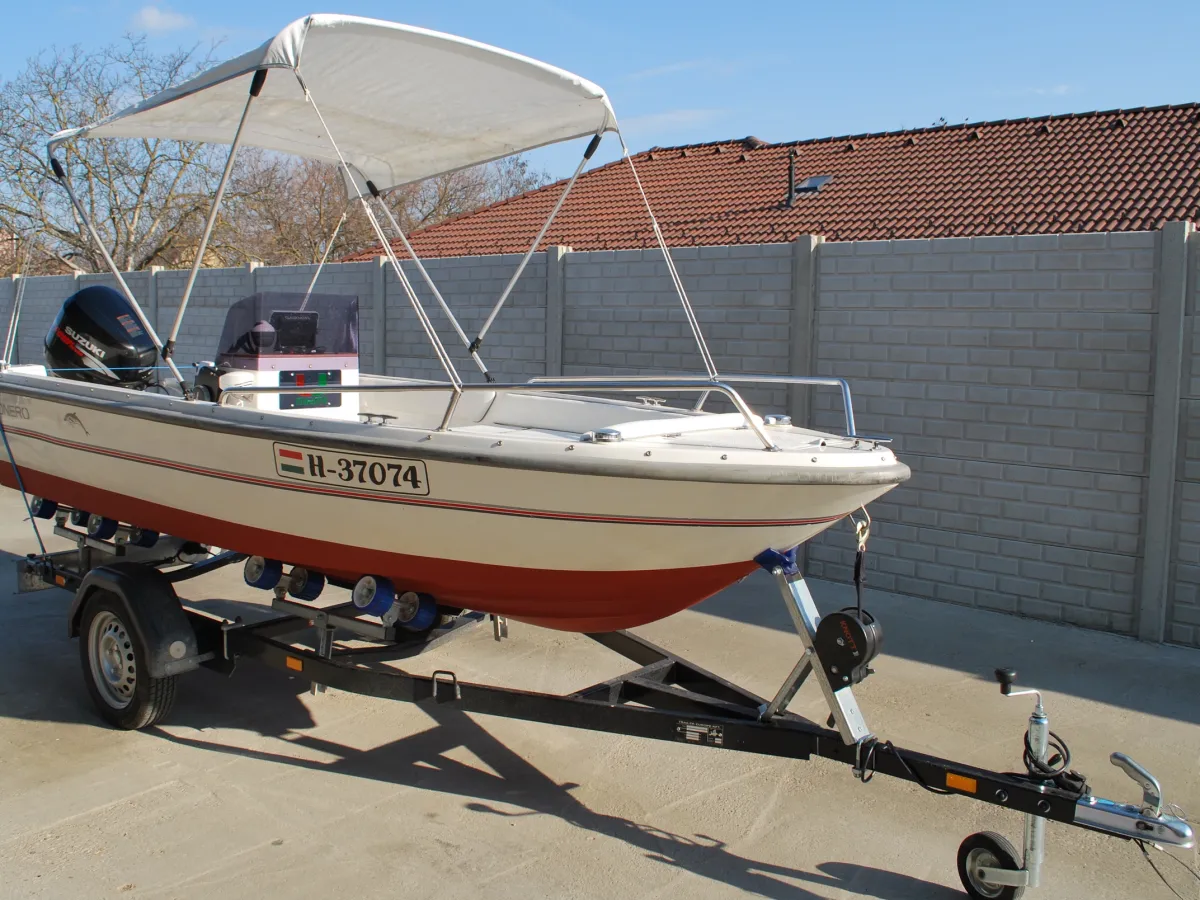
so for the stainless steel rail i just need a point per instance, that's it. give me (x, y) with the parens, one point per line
(583, 384)
(812, 380)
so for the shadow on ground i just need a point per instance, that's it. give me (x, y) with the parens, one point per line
(421, 761)
(40, 680)
(1156, 679)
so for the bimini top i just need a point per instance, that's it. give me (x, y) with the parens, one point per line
(403, 103)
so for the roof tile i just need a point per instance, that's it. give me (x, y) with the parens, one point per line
(1120, 170)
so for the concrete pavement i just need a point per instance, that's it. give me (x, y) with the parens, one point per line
(255, 789)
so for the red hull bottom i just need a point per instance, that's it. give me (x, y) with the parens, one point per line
(562, 600)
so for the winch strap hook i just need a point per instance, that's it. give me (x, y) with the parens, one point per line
(862, 531)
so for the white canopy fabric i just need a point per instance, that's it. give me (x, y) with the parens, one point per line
(402, 103)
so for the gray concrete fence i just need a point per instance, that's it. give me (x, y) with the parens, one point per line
(1043, 388)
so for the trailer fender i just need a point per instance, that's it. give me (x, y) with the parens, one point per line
(154, 613)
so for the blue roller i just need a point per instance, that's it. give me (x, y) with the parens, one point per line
(374, 596)
(100, 527)
(424, 616)
(41, 508)
(79, 517)
(143, 537)
(305, 585)
(262, 573)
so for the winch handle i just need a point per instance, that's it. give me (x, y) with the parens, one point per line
(1006, 677)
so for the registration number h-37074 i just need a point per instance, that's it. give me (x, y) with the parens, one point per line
(375, 473)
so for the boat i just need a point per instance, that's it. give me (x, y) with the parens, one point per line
(578, 504)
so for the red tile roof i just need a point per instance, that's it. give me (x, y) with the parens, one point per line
(1120, 170)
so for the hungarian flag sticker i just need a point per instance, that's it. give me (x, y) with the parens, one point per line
(290, 460)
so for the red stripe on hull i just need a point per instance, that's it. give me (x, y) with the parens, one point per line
(562, 600)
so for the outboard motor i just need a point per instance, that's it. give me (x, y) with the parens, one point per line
(98, 337)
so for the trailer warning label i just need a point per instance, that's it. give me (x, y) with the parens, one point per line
(374, 473)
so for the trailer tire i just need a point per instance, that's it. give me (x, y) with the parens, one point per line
(114, 666)
(987, 848)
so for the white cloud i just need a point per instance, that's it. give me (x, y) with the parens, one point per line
(160, 20)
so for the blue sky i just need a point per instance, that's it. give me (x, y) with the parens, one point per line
(681, 72)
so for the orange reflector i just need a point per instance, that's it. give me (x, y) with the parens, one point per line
(297, 665)
(961, 783)
(60, 580)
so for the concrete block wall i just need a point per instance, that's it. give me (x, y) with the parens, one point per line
(514, 348)
(622, 315)
(1183, 612)
(1014, 374)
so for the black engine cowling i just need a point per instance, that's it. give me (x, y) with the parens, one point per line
(98, 337)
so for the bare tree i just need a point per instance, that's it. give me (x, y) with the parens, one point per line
(146, 197)
(288, 209)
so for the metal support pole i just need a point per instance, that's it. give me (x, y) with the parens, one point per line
(805, 618)
(587, 154)
(438, 348)
(14, 316)
(1035, 826)
(256, 86)
(61, 174)
(437, 295)
(693, 322)
(324, 257)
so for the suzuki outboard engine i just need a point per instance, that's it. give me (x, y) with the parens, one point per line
(98, 337)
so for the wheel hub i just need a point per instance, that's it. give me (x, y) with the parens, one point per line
(114, 670)
(978, 859)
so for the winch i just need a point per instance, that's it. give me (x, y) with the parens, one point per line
(846, 641)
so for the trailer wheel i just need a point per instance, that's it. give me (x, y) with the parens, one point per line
(987, 850)
(114, 667)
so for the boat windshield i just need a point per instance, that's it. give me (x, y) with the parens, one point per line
(272, 323)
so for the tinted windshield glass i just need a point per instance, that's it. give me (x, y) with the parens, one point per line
(282, 323)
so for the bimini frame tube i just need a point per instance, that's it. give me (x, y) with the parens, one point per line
(14, 315)
(61, 174)
(426, 325)
(256, 86)
(325, 256)
(587, 154)
(462, 335)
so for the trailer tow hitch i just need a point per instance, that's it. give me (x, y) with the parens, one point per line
(988, 863)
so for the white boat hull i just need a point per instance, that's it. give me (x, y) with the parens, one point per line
(565, 549)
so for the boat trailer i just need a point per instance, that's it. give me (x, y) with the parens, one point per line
(137, 635)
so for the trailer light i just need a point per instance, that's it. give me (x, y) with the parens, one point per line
(961, 783)
(295, 664)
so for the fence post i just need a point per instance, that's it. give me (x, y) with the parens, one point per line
(556, 291)
(152, 296)
(801, 359)
(379, 309)
(1171, 284)
(252, 277)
